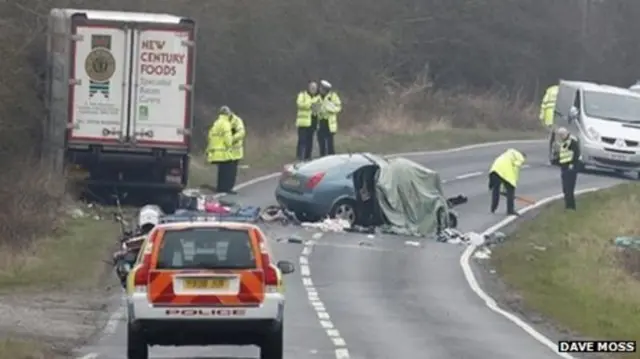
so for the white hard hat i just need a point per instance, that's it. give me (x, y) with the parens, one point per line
(149, 215)
(561, 131)
(225, 110)
(325, 84)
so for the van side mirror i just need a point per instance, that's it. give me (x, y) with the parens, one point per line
(573, 114)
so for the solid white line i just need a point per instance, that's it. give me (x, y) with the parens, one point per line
(469, 175)
(490, 302)
(89, 356)
(114, 319)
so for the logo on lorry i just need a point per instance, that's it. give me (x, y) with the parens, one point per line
(100, 65)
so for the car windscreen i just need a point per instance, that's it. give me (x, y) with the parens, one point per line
(206, 248)
(613, 107)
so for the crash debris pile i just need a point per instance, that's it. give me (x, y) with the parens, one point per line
(328, 225)
(483, 243)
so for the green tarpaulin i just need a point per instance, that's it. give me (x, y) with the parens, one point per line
(410, 196)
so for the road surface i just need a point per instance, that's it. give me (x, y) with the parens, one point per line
(386, 299)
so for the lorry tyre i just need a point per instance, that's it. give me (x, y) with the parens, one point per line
(137, 347)
(272, 346)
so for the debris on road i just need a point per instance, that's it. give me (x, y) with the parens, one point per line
(295, 239)
(627, 242)
(482, 253)
(328, 225)
(412, 243)
(538, 248)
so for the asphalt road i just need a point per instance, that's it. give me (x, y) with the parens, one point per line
(378, 298)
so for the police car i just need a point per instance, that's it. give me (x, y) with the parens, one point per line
(206, 282)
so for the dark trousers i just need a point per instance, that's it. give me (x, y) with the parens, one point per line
(304, 149)
(227, 173)
(325, 139)
(569, 179)
(495, 182)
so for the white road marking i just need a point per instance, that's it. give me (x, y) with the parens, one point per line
(342, 353)
(490, 302)
(115, 317)
(89, 356)
(323, 317)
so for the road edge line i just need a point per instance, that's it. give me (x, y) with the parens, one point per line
(465, 263)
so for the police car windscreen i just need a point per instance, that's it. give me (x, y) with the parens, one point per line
(206, 248)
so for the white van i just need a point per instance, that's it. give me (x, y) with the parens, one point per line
(605, 120)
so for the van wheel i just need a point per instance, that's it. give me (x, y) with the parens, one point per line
(273, 345)
(137, 348)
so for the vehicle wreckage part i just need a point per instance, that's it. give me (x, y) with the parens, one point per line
(453, 219)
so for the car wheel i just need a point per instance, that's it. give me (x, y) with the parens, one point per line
(273, 345)
(344, 209)
(137, 348)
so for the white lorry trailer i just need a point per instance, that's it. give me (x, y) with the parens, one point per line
(119, 97)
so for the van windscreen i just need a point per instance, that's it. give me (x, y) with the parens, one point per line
(613, 107)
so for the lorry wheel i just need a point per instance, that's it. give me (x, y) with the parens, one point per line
(137, 348)
(273, 344)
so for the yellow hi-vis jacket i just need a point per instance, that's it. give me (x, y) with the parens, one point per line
(220, 140)
(548, 105)
(304, 102)
(507, 166)
(331, 107)
(238, 133)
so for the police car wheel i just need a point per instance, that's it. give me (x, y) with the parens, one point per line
(273, 345)
(137, 348)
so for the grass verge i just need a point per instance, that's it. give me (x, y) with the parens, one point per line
(26, 349)
(566, 267)
(72, 259)
(269, 153)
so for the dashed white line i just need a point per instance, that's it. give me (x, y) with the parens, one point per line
(324, 318)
